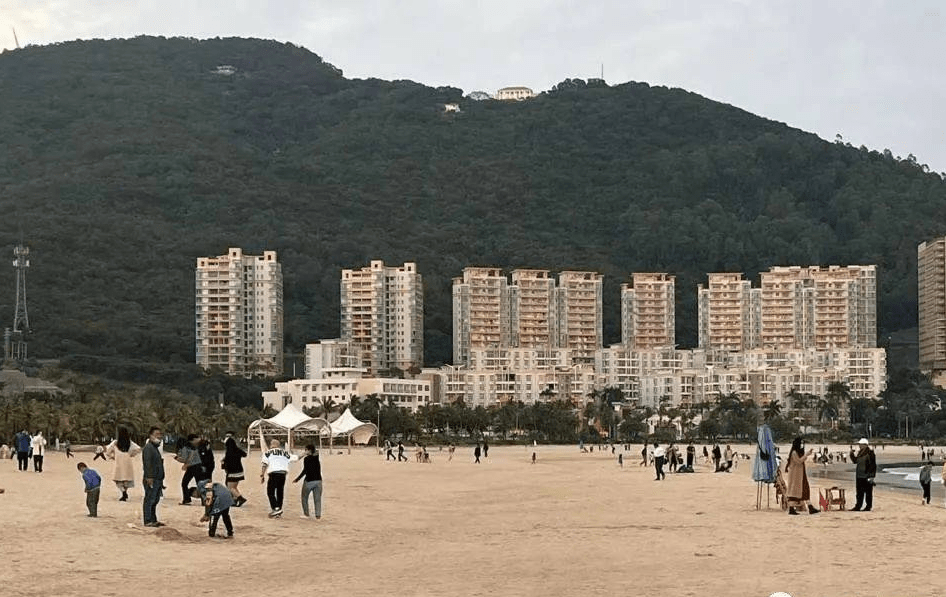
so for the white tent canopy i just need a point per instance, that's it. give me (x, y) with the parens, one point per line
(357, 431)
(288, 425)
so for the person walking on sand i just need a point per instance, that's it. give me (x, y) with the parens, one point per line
(691, 454)
(21, 443)
(476, 454)
(68, 447)
(400, 452)
(717, 457)
(152, 465)
(485, 449)
(93, 486)
(192, 466)
(232, 465)
(122, 451)
(659, 453)
(864, 475)
(798, 491)
(99, 453)
(450, 452)
(621, 460)
(644, 455)
(926, 476)
(312, 472)
(38, 445)
(276, 465)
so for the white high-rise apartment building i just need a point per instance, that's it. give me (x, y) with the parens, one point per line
(580, 318)
(531, 312)
(480, 312)
(931, 286)
(382, 312)
(532, 309)
(728, 313)
(819, 307)
(239, 313)
(647, 311)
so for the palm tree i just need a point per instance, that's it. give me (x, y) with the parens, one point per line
(772, 410)
(327, 405)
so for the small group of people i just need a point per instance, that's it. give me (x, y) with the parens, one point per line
(798, 491)
(26, 447)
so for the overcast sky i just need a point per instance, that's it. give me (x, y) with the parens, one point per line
(871, 71)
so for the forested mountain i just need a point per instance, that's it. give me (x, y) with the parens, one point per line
(123, 161)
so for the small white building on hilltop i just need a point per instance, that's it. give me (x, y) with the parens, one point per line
(451, 107)
(514, 93)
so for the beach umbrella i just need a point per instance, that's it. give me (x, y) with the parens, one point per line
(765, 467)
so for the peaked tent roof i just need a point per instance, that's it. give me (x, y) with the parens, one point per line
(289, 417)
(360, 431)
(290, 420)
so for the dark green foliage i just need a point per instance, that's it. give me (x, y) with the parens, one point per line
(123, 161)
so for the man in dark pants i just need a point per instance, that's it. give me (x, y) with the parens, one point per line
(153, 468)
(276, 465)
(21, 443)
(659, 453)
(864, 475)
(400, 452)
(193, 466)
(205, 449)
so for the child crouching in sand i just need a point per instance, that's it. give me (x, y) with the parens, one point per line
(217, 501)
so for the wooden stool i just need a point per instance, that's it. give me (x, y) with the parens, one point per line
(834, 496)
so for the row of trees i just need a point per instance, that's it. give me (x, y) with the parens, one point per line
(93, 408)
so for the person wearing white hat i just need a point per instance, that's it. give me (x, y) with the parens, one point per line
(864, 475)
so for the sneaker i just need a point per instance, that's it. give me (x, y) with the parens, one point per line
(813, 510)
(304, 516)
(792, 512)
(277, 511)
(151, 524)
(228, 536)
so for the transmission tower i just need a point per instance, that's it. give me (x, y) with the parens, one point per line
(15, 339)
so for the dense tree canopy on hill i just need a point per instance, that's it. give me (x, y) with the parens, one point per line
(123, 161)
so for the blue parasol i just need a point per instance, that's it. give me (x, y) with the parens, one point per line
(765, 466)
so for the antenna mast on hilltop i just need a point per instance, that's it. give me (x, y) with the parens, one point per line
(15, 39)
(14, 341)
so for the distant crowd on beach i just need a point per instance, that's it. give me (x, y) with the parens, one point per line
(195, 455)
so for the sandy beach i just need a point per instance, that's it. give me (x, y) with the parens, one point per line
(571, 524)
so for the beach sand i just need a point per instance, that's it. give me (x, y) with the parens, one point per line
(572, 524)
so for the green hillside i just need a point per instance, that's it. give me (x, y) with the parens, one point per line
(122, 161)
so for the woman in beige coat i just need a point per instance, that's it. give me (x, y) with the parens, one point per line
(798, 491)
(122, 451)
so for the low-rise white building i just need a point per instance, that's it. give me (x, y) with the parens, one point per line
(688, 377)
(514, 93)
(342, 385)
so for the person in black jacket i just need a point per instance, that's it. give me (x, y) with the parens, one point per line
(153, 468)
(312, 471)
(864, 475)
(205, 449)
(232, 465)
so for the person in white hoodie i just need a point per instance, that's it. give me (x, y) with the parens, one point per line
(38, 443)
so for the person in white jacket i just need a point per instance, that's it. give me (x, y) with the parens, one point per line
(38, 443)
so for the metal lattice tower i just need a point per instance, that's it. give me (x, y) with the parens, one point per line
(21, 261)
(14, 341)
